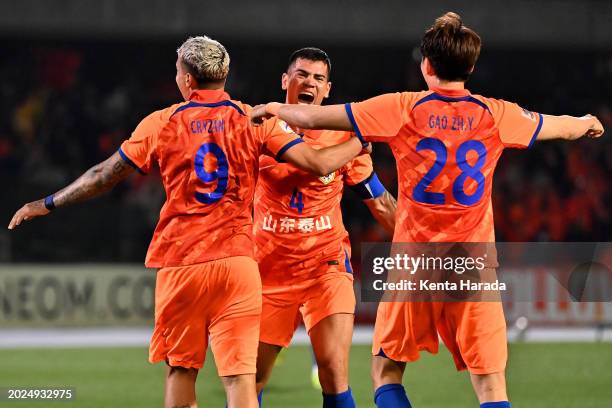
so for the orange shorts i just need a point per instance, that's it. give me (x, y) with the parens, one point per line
(473, 332)
(311, 299)
(220, 300)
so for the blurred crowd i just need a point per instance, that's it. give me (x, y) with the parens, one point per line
(66, 106)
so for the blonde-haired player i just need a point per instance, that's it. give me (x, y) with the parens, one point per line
(208, 286)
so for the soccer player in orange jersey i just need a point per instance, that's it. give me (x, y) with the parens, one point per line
(446, 143)
(208, 285)
(301, 245)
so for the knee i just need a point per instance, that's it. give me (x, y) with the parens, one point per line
(376, 374)
(182, 372)
(490, 387)
(333, 367)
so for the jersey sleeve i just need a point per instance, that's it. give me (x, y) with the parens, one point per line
(139, 150)
(517, 126)
(379, 118)
(362, 179)
(358, 169)
(278, 137)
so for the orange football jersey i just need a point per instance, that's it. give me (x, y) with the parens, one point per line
(446, 145)
(298, 221)
(208, 155)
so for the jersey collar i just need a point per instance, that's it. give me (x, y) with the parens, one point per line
(208, 95)
(451, 92)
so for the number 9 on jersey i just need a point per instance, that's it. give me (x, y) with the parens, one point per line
(219, 174)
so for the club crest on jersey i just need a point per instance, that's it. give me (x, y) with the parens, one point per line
(328, 179)
(283, 125)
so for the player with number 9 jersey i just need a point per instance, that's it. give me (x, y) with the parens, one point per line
(208, 158)
(208, 286)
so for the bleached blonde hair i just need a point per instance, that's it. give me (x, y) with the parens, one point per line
(206, 59)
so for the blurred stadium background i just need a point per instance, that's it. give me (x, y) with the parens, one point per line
(77, 76)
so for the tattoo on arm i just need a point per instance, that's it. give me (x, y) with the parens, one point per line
(95, 181)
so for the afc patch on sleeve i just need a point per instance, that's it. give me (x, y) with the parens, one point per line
(528, 114)
(283, 125)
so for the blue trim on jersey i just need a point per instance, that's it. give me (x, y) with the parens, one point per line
(381, 353)
(437, 97)
(193, 104)
(130, 162)
(369, 188)
(347, 262)
(349, 112)
(287, 147)
(537, 131)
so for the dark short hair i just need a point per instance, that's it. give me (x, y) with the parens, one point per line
(311, 54)
(451, 48)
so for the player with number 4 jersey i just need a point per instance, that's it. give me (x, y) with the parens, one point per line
(446, 143)
(302, 246)
(208, 286)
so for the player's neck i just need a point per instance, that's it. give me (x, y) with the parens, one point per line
(450, 85)
(211, 86)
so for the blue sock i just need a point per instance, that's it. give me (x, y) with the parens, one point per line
(342, 400)
(391, 396)
(497, 404)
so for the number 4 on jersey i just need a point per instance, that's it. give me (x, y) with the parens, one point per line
(296, 201)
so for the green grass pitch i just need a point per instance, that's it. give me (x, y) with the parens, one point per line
(539, 375)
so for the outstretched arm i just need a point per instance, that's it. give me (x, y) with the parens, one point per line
(570, 127)
(95, 181)
(333, 117)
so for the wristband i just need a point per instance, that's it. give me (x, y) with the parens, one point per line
(49, 204)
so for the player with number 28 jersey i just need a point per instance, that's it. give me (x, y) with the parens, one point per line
(446, 143)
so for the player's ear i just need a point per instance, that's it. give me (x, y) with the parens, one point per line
(190, 81)
(327, 90)
(428, 68)
(284, 81)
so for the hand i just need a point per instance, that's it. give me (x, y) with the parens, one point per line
(596, 129)
(27, 212)
(262, 112)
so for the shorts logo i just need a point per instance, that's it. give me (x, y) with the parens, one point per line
(328, 179)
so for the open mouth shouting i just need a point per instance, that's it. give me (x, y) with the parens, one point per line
(306, 98)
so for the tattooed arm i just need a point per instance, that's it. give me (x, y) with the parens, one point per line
(95, 181)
